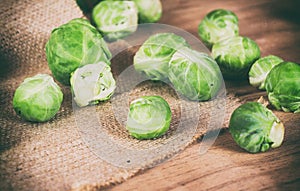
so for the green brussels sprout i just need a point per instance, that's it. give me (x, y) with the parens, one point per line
(255, 128)
(38, 98)
(115, 19)
(149, 11)
(283, 87)
(149, 117)
(72, 45)
(235, 56)
(195, 75)
(260, 69)
(218, 25)
(154, 55)
(92, 83)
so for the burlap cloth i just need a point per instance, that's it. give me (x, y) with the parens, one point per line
(55, 155)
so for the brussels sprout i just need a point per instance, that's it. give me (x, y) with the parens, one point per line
(260, 69)
(195, 75)
(154, 55)
(149, 11)
(38, 98)
(149, 117)
(92, 83)
(235, 56)
(283, 87)
(218, 25)
(72, 45)
(115, 19)
(255, 128)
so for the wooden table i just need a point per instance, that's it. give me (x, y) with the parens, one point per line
(275, 26)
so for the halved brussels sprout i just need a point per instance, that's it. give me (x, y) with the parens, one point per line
(92, 83)
(283, 87)
(255, 128)
(149, 117)
(149, 11)
(72, 45)
(218, 25)
(38, 98)
(154, 55)
(235, 56)
(115, 19)
(260, 69)
(195, 75)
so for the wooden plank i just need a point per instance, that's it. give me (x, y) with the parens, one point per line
(275, 26)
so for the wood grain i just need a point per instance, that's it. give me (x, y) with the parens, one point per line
(275, 26)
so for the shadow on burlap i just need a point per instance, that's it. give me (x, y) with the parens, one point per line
(53, 155)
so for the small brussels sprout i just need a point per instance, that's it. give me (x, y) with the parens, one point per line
(260, 69)
(218, 25)
(149, 117)
(149, 11)
(283, 87)
(38, 98)
(195, 75)
(115, 19)
(92, 83)
(255, 128)
(72, 45)
(154, 55)
(235, 56)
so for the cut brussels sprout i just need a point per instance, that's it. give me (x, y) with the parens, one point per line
(260, 69)
(149, 117)
(195, 75)
(149, 11)
(283, 87)
(154, 55)
(38, 98)
(255, 128)
(235, 56)
(115, 19)
(72, 45)
(218, 25)
(92, 83)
